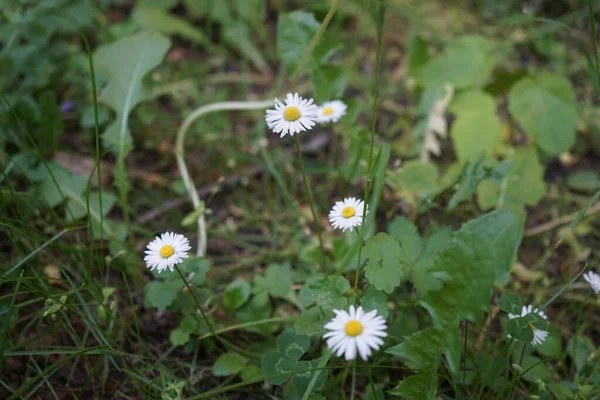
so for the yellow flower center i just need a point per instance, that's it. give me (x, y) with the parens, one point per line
(353, 328)
(166, 251)
(531, 326)
(291, 114)
(348, 212)
(327, 111)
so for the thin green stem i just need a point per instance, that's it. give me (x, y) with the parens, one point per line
(314, 41)
(594, 38)
(380, 12)
(247, 325)
(310, 199)
(353, 390)
(180, 155)
(198, 304)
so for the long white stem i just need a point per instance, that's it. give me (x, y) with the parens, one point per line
(179, 154)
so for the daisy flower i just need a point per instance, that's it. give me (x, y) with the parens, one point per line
(347, 214)
(296, 115)
(594, 280)
(355, 331)
(331, 111)
(539, 336)
(166, 251)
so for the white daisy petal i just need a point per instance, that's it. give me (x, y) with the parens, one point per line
(166, 251)
(331, 111)
(355, 332)
(539, 336)
(347, 214)
(295, 116)
(594, 280)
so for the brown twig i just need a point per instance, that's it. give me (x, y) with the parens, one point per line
(565, 219)
(316, 143)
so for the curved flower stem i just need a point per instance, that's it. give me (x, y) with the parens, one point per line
(180, 154)
(310, 199)
(353, 390)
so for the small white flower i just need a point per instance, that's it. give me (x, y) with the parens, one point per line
(331, 111)
(166, 251)
(594, 280)
(354, 332)
(296, 115)
(347, 214)
(539, 336)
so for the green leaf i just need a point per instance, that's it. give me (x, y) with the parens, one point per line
(239, 37)
(477, 128)
(373, 299)
(156, 20)
(511, 303)
(417, 52)
(295, 31)
(407, 234)
(539, 372)
(195, 268)
(292, 345)
(124, 63)
(328, 81)
(586, 181)
(77, 206)
(276, 368)
(69, 186)
(383, 268)
(179, 337)
(579, 350)
(523, 185)
(519, 329)
(161, 294)
(467, 62)
(236, 294)
(277, 281)
(584, 210)
(303, 376)
(561, 392)
(552, 346)
(310, 322)
(327, 292)
(479, 254)
(228, 364)
(545, 108)
(249, 373)
(415, 178)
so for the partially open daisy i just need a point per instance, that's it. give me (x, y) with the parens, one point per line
(166, 251)
(539, 336)
(346, 214)
(594, 280)
(296, 115)
(331, 111)
(355, 331)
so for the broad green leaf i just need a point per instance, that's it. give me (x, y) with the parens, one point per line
(467, 62)
(274, 366)
(479, 254)
(408, 236)
(383, 268)
(511, 303)
(161, 294)
(545, 108)
(579, 349)
(586, 181)
(539, 372)
(292, 345)
(414, 178)
(229, 363)
(77, 206)
(238, 36)
(327, 292)
(552, 346)
(561, 392)
(523, 185)
(303, 376)
(477, 128)
(328, 81)
(310, 322)
(67, 186)
(51, 124)
(236, 294)
(179, 337)
(249, 373)
(255, 310)
(124, 63)
(518, 328)
(195, 268)
(373, 299)
(295, 31)
(154, 19)
(418, 55)
(276, 282)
